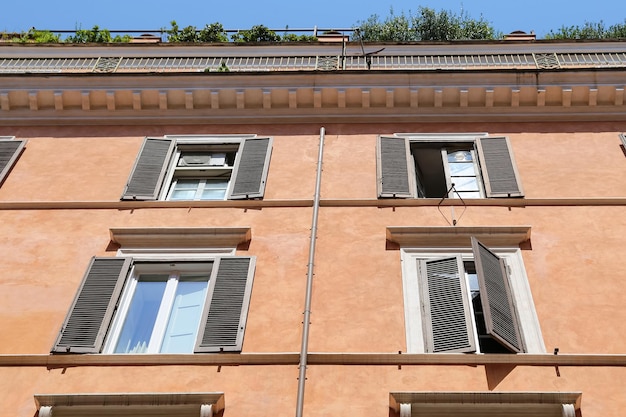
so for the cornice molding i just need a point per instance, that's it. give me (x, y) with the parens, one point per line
(187, 237)
(300, 97)
(457, 236)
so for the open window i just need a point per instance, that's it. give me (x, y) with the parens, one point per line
(446, 166)
(154, 298)
(468, 304)
(200, 168)
(466, 297)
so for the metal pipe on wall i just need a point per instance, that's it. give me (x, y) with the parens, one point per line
(306, 321)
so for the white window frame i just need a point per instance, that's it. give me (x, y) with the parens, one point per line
(189, 140)
(525, 307)
(196, 255)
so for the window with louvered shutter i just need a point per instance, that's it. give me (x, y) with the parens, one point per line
(9, 152)
(251, 169)
(227, 304)
(496, 297)
(498, 167)
(200, 169)
(394, 173)
(89, 317)
(447, 313)
(147, 176)
(440, 165)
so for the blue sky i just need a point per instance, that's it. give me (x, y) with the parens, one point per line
(506, 16)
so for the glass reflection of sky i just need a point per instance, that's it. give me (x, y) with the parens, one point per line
(142, 313)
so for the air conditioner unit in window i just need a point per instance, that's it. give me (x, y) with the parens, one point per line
(202, 160)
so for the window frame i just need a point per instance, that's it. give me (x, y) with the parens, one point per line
(390, 163)
(173, 270)
(528, 322)
(183, 144)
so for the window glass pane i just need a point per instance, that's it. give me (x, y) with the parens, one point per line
(182, 327)
(465, 183)
(185, 189)
(214, 190)
(465, 194)
(460, 156)
(142, 313)
(464, 169)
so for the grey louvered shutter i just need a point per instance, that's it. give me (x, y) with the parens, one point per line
(9, 152)
(393, 168)
(496, 297)
(445, 304)
(89, 317)
(250, 172)
(226, 309)
(498, 167)
(149, 171)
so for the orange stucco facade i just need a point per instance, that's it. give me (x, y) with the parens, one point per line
(61, 198)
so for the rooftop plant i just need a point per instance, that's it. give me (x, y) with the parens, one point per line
(95, 35)
(590, 31)
(426, 25)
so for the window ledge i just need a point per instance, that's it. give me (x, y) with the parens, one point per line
(198, 404)
(457, 236)
(188, 237)
(485, 403)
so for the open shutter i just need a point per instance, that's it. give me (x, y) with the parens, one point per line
(393, 168)
(498, 167)
(496, 297)
(448, 319)
(250, 171)
(226, 310)
(9, 152)
(89, 317)
(149, 171)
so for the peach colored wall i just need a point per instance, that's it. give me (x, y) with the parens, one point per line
(574, 265)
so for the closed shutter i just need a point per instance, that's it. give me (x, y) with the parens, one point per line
(9, 152)
(393, 168)
(498, 167)
(226, 310)
(89, 317)
(496, 297)
(149, 171)
(447, 315)
(251, 170)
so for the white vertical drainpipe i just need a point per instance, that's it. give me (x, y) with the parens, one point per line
(306, 321)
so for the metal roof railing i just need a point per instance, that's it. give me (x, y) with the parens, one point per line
(178, 64)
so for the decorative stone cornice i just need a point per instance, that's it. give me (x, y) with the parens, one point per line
(187, 237)
(526, 90)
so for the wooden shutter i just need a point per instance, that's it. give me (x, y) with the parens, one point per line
(394, 168)
(448, 320)
(250, 171)
(89, 317)
(226, 309)
(147, 176)
(498, 167)
(496, 297)
(9, 152)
